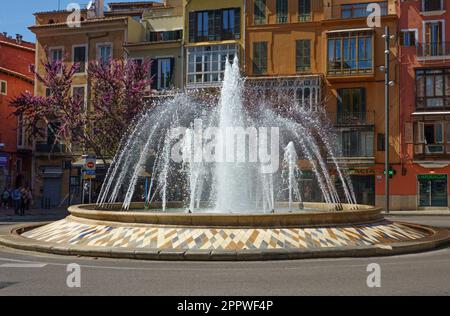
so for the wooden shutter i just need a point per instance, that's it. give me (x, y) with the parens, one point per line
(237, 23)
(192, 26)
(409, 138)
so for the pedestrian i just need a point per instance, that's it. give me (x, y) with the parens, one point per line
(16, 197)
(29, 199)
(23, 200)
(5, 197)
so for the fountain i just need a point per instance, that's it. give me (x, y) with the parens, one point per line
(224, 155)
(218, 190)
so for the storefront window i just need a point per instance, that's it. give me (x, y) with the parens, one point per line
(433, 190)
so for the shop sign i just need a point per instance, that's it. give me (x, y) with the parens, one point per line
(431, 177)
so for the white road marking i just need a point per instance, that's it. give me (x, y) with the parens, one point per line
(23, 265)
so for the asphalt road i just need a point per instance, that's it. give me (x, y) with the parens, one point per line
(418, 274)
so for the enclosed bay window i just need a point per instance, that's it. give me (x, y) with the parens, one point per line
(433, 89)
(351, 106)
(350, 53)
(206, 64)
(356, 143)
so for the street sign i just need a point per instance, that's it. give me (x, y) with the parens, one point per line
(90, 168)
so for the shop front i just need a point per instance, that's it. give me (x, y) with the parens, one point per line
(432, 190)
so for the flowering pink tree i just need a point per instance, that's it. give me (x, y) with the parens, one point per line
(117, 90)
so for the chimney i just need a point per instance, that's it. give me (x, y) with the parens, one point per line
(19, 39)
(5, 34)
(100, 8)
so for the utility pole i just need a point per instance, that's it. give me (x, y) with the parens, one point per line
(387, 84)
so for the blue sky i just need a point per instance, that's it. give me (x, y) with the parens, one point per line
(17, 15)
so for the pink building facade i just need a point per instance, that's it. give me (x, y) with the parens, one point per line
(424, 98)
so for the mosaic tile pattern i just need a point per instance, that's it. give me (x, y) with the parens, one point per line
(153, 237)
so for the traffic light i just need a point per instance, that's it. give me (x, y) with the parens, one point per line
(391, 173)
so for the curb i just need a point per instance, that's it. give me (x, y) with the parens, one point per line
(438, 238)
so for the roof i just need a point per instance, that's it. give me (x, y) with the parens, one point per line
(13, 42)
(136, 3)
(92, 21)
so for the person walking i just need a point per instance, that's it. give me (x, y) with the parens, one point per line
(16, 197)
(23, 200)
(5, 197)
(29, 199)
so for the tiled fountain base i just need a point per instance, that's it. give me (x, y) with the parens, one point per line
(74, 233)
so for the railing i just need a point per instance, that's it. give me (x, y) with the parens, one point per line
(165, 36)
(433, 49)
(50, 148)
(353, 118)
(358, 10)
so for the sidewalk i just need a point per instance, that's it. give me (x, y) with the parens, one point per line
(7, 215)
(437, 212)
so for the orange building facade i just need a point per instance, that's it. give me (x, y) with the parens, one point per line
(330, 55)
(16, 56)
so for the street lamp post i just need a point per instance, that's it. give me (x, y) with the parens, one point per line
(387, 84)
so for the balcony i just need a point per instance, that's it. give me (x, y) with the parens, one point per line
(433, 50)
(432, 152)
(342, 119)
(353, 11)
(155, 37)
(46, 148)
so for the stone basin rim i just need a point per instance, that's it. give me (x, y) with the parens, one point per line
(364, 214)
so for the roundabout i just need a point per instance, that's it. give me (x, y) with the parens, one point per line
(156, 235)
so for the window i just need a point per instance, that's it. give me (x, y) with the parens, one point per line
(162, 73)
(303, 55)
(165, 36)
(215, 25)
(80, 57)
(350, 53)
(206, 64)
(356, 143)
(304, 10)
(434, 39)
(56, 54)
(434, 137)
(79, 92)
(104, 52)
(259, 58)
(408, 38)
(3, 87)
(381, 142)
(20, 134)
(351, 106)
(432, 5)
(282, 11)
(359, 10)
(260, 12)
(447, 137)
(48, 92)
(433, 89)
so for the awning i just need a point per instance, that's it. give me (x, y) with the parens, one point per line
(165, 23)
(432, 113)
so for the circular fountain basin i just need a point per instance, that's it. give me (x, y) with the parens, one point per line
(156, 235)
(313, 214)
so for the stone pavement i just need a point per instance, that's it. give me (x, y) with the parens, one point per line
(431, 212)
(35, 214)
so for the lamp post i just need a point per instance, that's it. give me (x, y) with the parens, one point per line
(387, 85)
